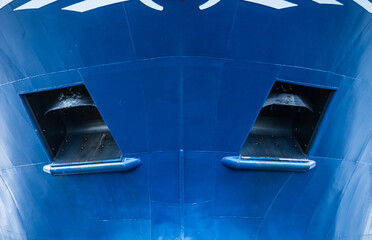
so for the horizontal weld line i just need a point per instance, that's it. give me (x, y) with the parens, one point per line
(238, 217)
(25, 165)
(186, 204)
(175, 151)
(165, 57)
(124, 219)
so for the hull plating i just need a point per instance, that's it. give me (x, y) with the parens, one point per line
(180, 89)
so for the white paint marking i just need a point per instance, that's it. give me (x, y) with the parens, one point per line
(88, 5)
(3, 3)
(277, 4)
(152, 5)
(331, 2)
(208, 4)
(367, 5)
(35, 4)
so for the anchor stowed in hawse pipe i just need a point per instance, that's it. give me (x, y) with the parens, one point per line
(88, 5)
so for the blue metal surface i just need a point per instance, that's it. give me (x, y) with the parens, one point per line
(180, 89)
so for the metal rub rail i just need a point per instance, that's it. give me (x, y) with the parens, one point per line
(269, 164)
(124, 164)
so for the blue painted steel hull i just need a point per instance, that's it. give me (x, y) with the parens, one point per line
(180, 89)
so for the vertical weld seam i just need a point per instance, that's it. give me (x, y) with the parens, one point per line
(341, 197)
(182, 195)
(217, 105)
(350, 47)
(232, 28)
(215, 147)
(271, 205)
(181, 130)
(149, 193)
(129, 30)
(181, 159)
(215, 220)
(15, 203)
(145, 101)
(149, 185)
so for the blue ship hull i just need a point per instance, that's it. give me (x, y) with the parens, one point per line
(180, 87)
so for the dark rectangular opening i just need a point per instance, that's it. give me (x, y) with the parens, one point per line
(287, 122)
(71, 126)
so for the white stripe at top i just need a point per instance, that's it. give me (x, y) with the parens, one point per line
(35, 4)
(367, 5)
(152, 5)
(3, 3)
(277, 4)
(331, 2)
(88, 5)
(208, 4)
